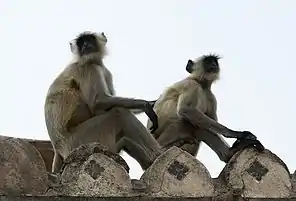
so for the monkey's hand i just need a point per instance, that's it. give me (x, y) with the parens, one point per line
(241, 144)
(244, 143)
(247, 135)
(152, 116)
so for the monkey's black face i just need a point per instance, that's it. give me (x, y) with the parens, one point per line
(87, 43)
(211, 64)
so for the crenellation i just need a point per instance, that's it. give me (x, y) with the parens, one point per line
(91, 171)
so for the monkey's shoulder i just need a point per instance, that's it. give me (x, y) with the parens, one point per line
(64, 100)
(186, 85)
(65, 86)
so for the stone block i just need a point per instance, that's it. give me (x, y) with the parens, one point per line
(256, 174)
(177, 173)
(22, 169)
(46, 150)
(91, 170)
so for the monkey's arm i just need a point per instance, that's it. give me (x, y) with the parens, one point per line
(189, 107)
(139, 111)
(107, 102)
(97, 98)
(112, 90)
(110, 81)
(93, 91)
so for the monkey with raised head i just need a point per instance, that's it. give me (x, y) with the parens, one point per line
(187, 113)
(81, 107)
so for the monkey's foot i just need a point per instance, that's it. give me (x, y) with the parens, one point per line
(178, 173)
(251, 174)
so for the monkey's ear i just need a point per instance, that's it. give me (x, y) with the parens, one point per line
(73, 48)
(103, 38)
(189, 66)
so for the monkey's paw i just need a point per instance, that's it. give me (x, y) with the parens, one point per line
(152, 116)
(153, 129)
(240, 144)
(247, 135)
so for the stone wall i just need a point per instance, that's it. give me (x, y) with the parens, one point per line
(91, 171)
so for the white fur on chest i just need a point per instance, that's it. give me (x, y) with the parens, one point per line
(207, 102)
(102, 76)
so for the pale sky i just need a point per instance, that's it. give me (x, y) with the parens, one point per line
(149, 44)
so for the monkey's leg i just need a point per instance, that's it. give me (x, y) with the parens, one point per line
(202, 121)
(131, 147)
(138, 142)
(102, 128)
(57, 162)
(177, 132)
(117, 123)
(216, 143)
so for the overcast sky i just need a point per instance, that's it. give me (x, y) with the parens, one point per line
(149, 44)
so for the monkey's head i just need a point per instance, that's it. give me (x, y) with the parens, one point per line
(89, 45)
(205, 67)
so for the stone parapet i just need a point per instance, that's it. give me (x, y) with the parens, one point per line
(91, 172)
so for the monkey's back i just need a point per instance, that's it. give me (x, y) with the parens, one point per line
(166, 106)
(64, 105)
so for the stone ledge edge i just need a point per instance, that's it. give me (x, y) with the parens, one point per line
(72, 198)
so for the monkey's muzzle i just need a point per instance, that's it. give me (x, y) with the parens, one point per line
(88, 48)
(212, 69)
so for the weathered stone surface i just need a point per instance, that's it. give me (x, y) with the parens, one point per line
(22, 169)
(293, 178)
(91, 170)
(257, 174)
(139, 187)
(46, 150)
(177, 173)
(47, 198)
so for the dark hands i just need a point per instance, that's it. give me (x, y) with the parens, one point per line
(240, 144)
(246, 135)
(247, 139)
(152, 116)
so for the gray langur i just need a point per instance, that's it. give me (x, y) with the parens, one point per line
(81, 107)
(187, 113)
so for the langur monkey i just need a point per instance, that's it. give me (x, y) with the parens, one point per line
(187, 113)
(81, 107)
